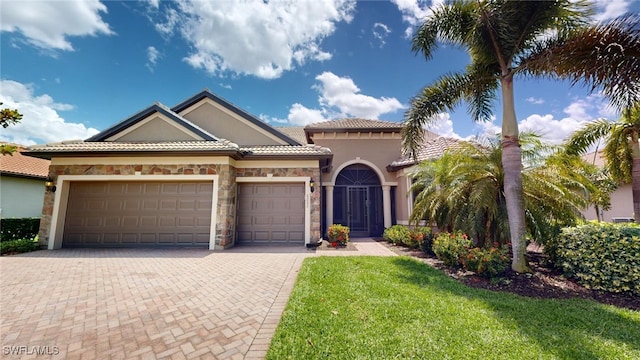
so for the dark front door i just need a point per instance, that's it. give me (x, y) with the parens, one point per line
(358, 210)
(357, 201)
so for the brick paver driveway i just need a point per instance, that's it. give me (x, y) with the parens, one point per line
(144, 304)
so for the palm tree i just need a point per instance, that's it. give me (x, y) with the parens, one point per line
(621, 150)
(496, 34)
(464, 190)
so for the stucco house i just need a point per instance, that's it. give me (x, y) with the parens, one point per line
(22, 180)
(206, 173)
(621, 199)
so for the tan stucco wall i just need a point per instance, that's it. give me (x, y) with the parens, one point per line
(380, 152)
(621, 205)
(20, 197)
(226, 126)
(156, 129)
(402, 200)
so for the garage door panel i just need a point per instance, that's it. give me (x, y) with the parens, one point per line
(138, 214)
(271, 213)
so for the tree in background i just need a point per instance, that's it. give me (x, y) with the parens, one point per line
(8, 117)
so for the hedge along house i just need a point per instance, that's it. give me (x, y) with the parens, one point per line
(203, 173)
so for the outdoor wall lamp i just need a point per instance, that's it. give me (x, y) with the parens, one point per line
(312, 184)
(48, 184)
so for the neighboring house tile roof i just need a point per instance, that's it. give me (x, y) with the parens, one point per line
(595, 159)
(21, 165)
(294, 132)
(354, 123)
(432, 148)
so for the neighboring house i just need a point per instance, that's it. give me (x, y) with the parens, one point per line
(22, 185)
(621, 199)
(206, 173)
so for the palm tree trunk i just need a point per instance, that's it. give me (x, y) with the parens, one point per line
(635, 177)
(512, 164)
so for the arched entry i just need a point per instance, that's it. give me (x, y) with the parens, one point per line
(357, 201)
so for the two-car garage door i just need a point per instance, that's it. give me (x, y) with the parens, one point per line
(175, 214)
(138, 214)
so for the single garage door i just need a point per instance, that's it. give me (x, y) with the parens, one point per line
(138, 214)
(270, 213)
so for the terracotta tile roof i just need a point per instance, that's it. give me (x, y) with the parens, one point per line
(285, 150)
(113, 146)
(596, 159)
(432, 148)
(354, 123)
(21, 165)
(84, 147)
(294, 132)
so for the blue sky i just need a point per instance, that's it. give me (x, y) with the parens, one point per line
(76, 67)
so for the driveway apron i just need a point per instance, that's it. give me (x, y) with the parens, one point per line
(145, 303)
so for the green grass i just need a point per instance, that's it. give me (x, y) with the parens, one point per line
(399, 308)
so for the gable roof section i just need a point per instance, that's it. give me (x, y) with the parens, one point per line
(206, 94)
(23, 166)
(144, 114)
(431, 149)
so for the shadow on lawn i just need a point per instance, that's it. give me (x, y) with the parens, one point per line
(539, 319)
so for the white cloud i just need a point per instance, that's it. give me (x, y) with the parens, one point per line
(414, 12)
(443, 125)
(41, 121)
(343, 94)
(380, 32)
(556, 131)
(300, 115)
(258, 38)
(535, 101)
(609, 9)
(339, 97)
(226, 86)
(48, 24)
(152, 56)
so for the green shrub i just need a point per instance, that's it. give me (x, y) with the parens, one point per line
(397, 234)
(601, 256)
(20, 228)
(487, 262)
(422, 238)
(451, 247)
(18, 246)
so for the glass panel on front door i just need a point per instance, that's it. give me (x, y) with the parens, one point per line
(358, 205)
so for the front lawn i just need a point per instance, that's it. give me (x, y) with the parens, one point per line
(399, 308)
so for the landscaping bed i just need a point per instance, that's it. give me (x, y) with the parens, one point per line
(544, 281)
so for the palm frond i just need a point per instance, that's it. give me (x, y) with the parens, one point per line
(604, 56)
(583, 138)
(443, 95)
